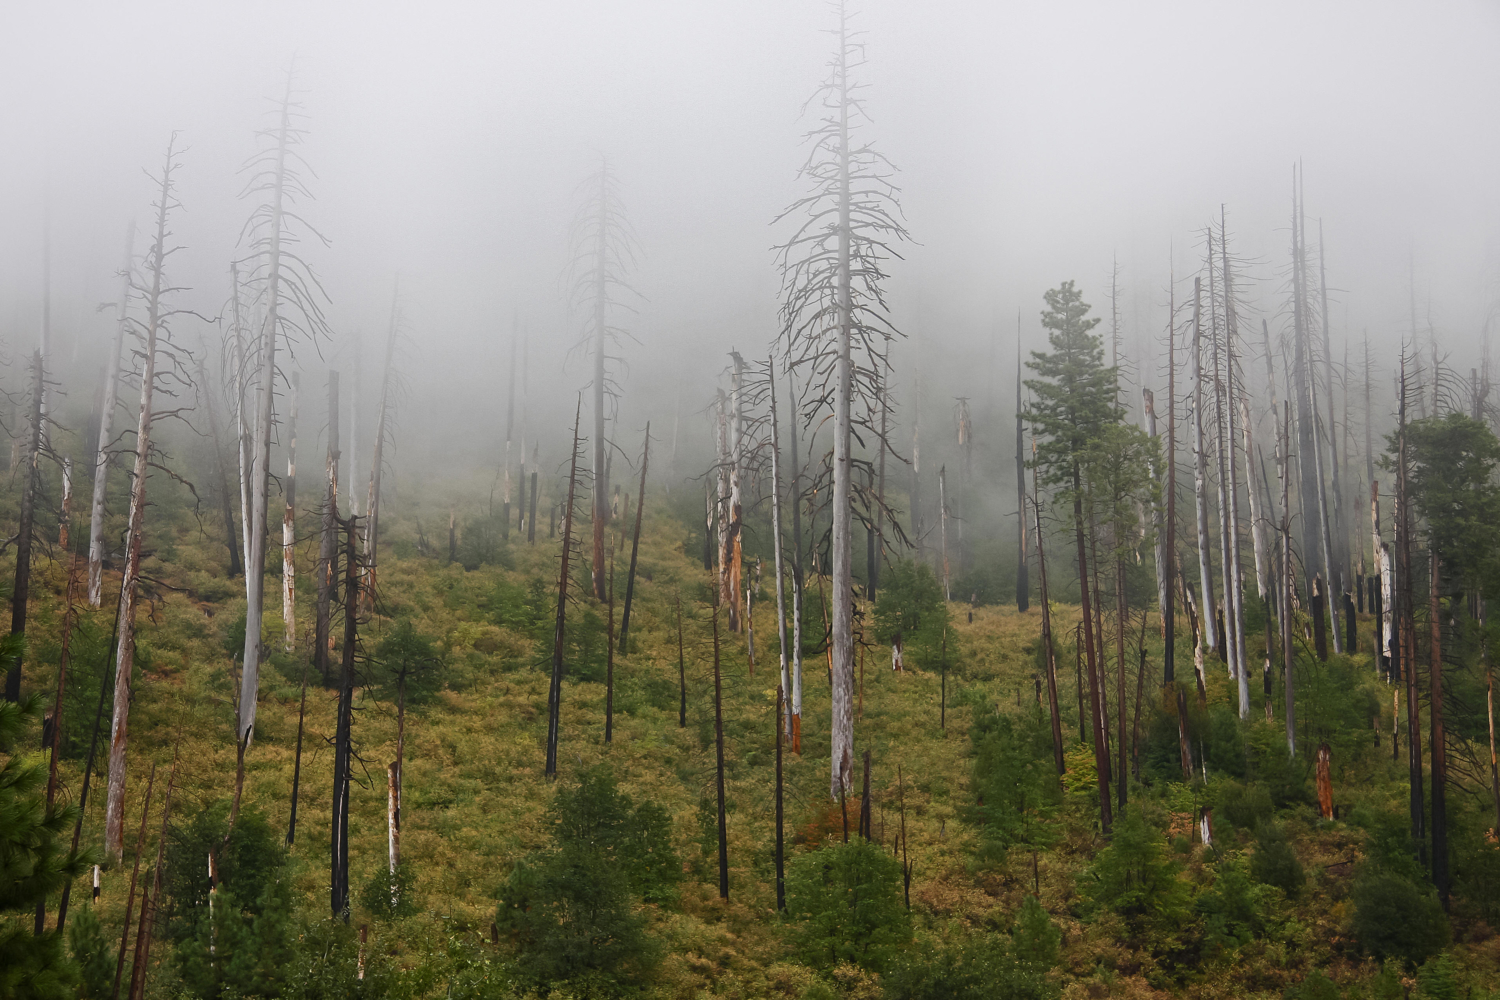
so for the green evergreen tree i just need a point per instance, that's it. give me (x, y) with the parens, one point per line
(34, 862)
(910, 610)
(1036, 939)
(93, 954)
(843, 904)
(1135, 878)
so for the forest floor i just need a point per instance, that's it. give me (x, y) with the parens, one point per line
(475, 797)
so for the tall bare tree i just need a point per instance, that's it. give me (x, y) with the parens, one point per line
(835, 323)
(162, 368)
(604, 252)
(289, 294)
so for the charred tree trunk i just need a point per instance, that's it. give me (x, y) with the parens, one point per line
(1437, 740)
(1023, 580)
(135, 871)
(635, 541)
(150, 899)
(377, 467)
(1047, 646)
(780, 833)
(1101, 754)
(1404, 618)
(1287, 650)
(226, 501)
(609, 654)
(291, 825)
(554, 690)
(343, 772)
(328, 547)
(1169, 623)
(681, 672)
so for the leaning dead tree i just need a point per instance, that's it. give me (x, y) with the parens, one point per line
(106, 430)
(604, 252)
(287, 294)
(836, 325)
(163, 368)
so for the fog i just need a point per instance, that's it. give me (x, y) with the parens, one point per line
(1036, 142)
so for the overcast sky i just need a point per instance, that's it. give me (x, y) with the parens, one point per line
(1036, 141)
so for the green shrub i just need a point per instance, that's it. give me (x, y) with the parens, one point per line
(570, 910)
(1134, 878)
(1315, 986)
(1235, 909)
(1014, 780)
(92, 953)
(909, 606)
(1395, 919)
(1275, 862)
(844, 904)
(1243, 806)
(1438, 979)
(1036, 939)
(977, 968)
(388, 895)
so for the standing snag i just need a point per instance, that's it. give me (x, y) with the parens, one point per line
(836, 324)
(106, 431)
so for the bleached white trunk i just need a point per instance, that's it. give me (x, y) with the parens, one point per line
(242, 425)
(842, 695)
(106, 431)
(1200, 473)
(289, 533)
(943, 529)
(1257, 516)
(1158, 516)
(260, 466)
(736, 463)
(786, 680)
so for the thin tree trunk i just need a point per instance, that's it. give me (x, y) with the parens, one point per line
(797, 576)
(1163, 581)
(736, 491)
(783, 708)
(531, 511)
(1169, 626)
(1236, 597)
(1101, 754)
(722, 512)
(328, 546)
(289, 529)
(554, 691)
(1122, 779)
(140, 848)
(1200, 468)
(343, 774)
(1338, 573)
(1307, 447)
(377, 466)
(106, 433)
(114, 810)
(885, 413)
(1284, 466)
(601, 338)
(1489, 705)
(1222, 440)
(150, 900)
(1407, 631)
(1023, 581)
(291, 826)
(21, 592)
(1051, 653)
(226, 504)
(609, 654)
(943, 531)
(255, 562)
(635, 540)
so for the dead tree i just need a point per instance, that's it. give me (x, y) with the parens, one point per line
(681, 672)
(833, 307)
(1023, 581)
(1200, 468)
(780, 833)
(162, 369)
(1284, 468)
(382, 430)
(554, 690)
(1307, 446)
(289, 295)
(1437, 739)
(289, 529)
(343, 751)
(21, 592)
(1047, 648)
(291, 825)
(783, 707)
(604, 250)
(151, 898)
(106, 432)
(1169, 618)
(635, 541)
(943, 529)
(609, 653)
(328, 543)
(135, 871)
(795, 491)
(736, 512)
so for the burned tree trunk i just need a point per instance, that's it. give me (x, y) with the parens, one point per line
(135, 871)
(554, 690)
(635, 540)
(153, 333)
(782, 706)
(226, 502)
(291, 825)
(780, 833)
(1284, 466)
(1437, 739)
(1047, 647)
(609, 653)
(150, 900)
(328, 547)
(681, 672)
(377, 466)
(1101, 753)
(736, 521)
(797, 577)
(343, 771)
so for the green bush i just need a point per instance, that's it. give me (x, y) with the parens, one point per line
(570, 910)
(388, 895)
(978, 968)
(1275, 862)
(1014, 780)
(92, 953)
(1135, 878)
(1395, 919)
(1438, 979)
(909, 607)
(1035, 940)
(844, 904)
(1315, 986)
(1235, 909)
